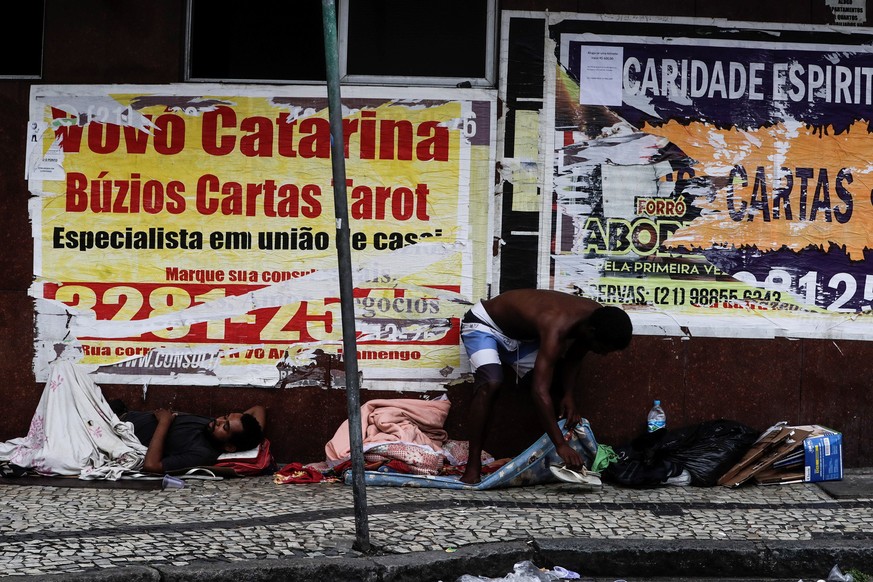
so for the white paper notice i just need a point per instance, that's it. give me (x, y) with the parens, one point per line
(42, 167)
(600, 75)
(848, 12)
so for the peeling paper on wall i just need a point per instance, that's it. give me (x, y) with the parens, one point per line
(153, 263)
(39, 165)
(727, 194)
(523, 170)
(375, 315)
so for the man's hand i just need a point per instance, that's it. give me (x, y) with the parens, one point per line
(571, 458)
(164, 415)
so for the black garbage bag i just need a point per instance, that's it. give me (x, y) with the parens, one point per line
(634, 468)
(710, 449)
(640, 463)
(706, 450)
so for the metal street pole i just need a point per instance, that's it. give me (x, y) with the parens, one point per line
(350, 345)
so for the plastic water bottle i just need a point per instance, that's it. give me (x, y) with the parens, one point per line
(657, 417)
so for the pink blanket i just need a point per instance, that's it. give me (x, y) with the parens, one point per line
(401, 420)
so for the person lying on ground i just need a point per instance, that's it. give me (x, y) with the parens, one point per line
(543, 335)
(178, 440)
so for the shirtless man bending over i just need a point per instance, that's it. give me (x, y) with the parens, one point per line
(535, 330)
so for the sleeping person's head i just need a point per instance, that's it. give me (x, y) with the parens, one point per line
(236, 431)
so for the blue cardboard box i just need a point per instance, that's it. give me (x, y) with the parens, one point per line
(823, 457)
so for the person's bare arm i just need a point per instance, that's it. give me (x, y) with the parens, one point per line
(154, 458)
(544, 371)
(572, 383)
(260, 414)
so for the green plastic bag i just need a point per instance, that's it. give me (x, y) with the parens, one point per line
(605, 455)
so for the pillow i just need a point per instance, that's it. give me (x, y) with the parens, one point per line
(256, 461)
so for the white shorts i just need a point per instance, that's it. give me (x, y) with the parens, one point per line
(486, 343)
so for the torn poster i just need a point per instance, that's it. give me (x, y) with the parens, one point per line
(185, 234)
(729, 193)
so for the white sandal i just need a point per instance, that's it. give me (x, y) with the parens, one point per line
(583, 476)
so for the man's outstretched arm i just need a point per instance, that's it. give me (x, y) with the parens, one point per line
(260, 414)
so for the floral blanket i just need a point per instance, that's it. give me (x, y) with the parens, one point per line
(74, 432)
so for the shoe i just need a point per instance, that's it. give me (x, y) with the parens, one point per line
(583, 476)
(681, 480)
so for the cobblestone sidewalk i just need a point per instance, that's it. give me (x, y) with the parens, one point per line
(217, 529)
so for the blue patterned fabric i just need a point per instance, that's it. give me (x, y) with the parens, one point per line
(531, 467)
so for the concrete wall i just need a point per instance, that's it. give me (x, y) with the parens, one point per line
(758, 382)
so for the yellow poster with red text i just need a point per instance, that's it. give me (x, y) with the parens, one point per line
(188, 234)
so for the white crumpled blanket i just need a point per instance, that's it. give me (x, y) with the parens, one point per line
(75, 432)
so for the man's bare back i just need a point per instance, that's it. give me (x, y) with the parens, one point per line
(524, 313)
